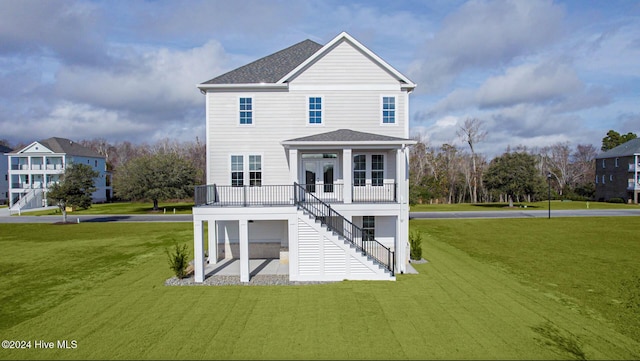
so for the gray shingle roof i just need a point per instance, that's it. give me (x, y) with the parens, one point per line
(629, 148)
(62, 145)
(348, 135)
(271, 68)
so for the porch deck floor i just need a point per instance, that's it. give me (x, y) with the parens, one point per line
(231, 267)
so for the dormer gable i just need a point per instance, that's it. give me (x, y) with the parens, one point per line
(35, 147)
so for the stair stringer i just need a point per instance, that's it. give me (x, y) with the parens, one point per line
(325, 256)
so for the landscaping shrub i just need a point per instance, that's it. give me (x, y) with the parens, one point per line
(615, 200)
(415, 243)
(178, 260)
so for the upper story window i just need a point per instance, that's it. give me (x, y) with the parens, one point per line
(377, 170)
(246, 110)
(255, 170)
(246, 167)
(315, 110)
(603, 163)
(388, 110)
(237, 171)
(359, 170)
(617, 162)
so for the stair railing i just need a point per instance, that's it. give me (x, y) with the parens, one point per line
(334, 221)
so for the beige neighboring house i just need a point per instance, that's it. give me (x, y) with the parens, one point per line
(307, 161)
(34, 168)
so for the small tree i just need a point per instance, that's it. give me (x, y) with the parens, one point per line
(74, 189)
(513, 174)
(178, 260)
(155, 177)
(415, 245)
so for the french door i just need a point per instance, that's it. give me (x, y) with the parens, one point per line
(320, 176)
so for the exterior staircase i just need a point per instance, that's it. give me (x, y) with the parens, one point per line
(33, 199)
(368, 258)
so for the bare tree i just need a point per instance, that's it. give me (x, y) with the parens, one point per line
(472, 132)
(556, 158)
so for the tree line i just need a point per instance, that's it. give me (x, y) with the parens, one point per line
(451, 174)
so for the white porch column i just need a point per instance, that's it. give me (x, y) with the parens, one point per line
(198, 250)
(293, 247)
(213, 241)
(402, 233)
(244, 250)
(293, 165)
(347, 175)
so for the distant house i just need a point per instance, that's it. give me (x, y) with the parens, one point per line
(4, 174)
(307, 161)
(34, 168)
(618, 172)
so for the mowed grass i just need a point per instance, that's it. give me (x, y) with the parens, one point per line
(102, 285)
(543, 205)
(124, 208)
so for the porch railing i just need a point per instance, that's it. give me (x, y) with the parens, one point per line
(281, 195)
(334, 221)
(245, 196)
(375, 193)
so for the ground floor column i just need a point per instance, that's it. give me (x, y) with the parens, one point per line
(212, 226)
(198, 250)
(244, 250)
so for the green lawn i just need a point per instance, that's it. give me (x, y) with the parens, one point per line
(555, 205)
(102, 285)
(125, 208)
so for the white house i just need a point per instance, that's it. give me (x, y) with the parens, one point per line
(4, 174)
(35, 167)
(307, 160)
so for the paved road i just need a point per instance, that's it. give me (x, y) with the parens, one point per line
(528, 213)
(421, 215)
(99, 218)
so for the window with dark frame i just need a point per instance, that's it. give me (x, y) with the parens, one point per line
(368, 228)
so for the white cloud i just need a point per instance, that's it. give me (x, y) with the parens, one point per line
(158, 80)
(486, 34)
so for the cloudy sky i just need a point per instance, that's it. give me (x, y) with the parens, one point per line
(536, 72)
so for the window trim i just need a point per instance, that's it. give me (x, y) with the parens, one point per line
(308, 116)
(246, 169)
(360, 171)
(252, 111)
(395, 110)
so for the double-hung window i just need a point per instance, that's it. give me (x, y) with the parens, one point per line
(255, 170)
(368, 228)
(315, 110)
(377, 170)
(237, 171)
(359, 170)
(246, 167)
(246, 110)
(388, 110)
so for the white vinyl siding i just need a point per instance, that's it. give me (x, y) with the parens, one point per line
(345, 65)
